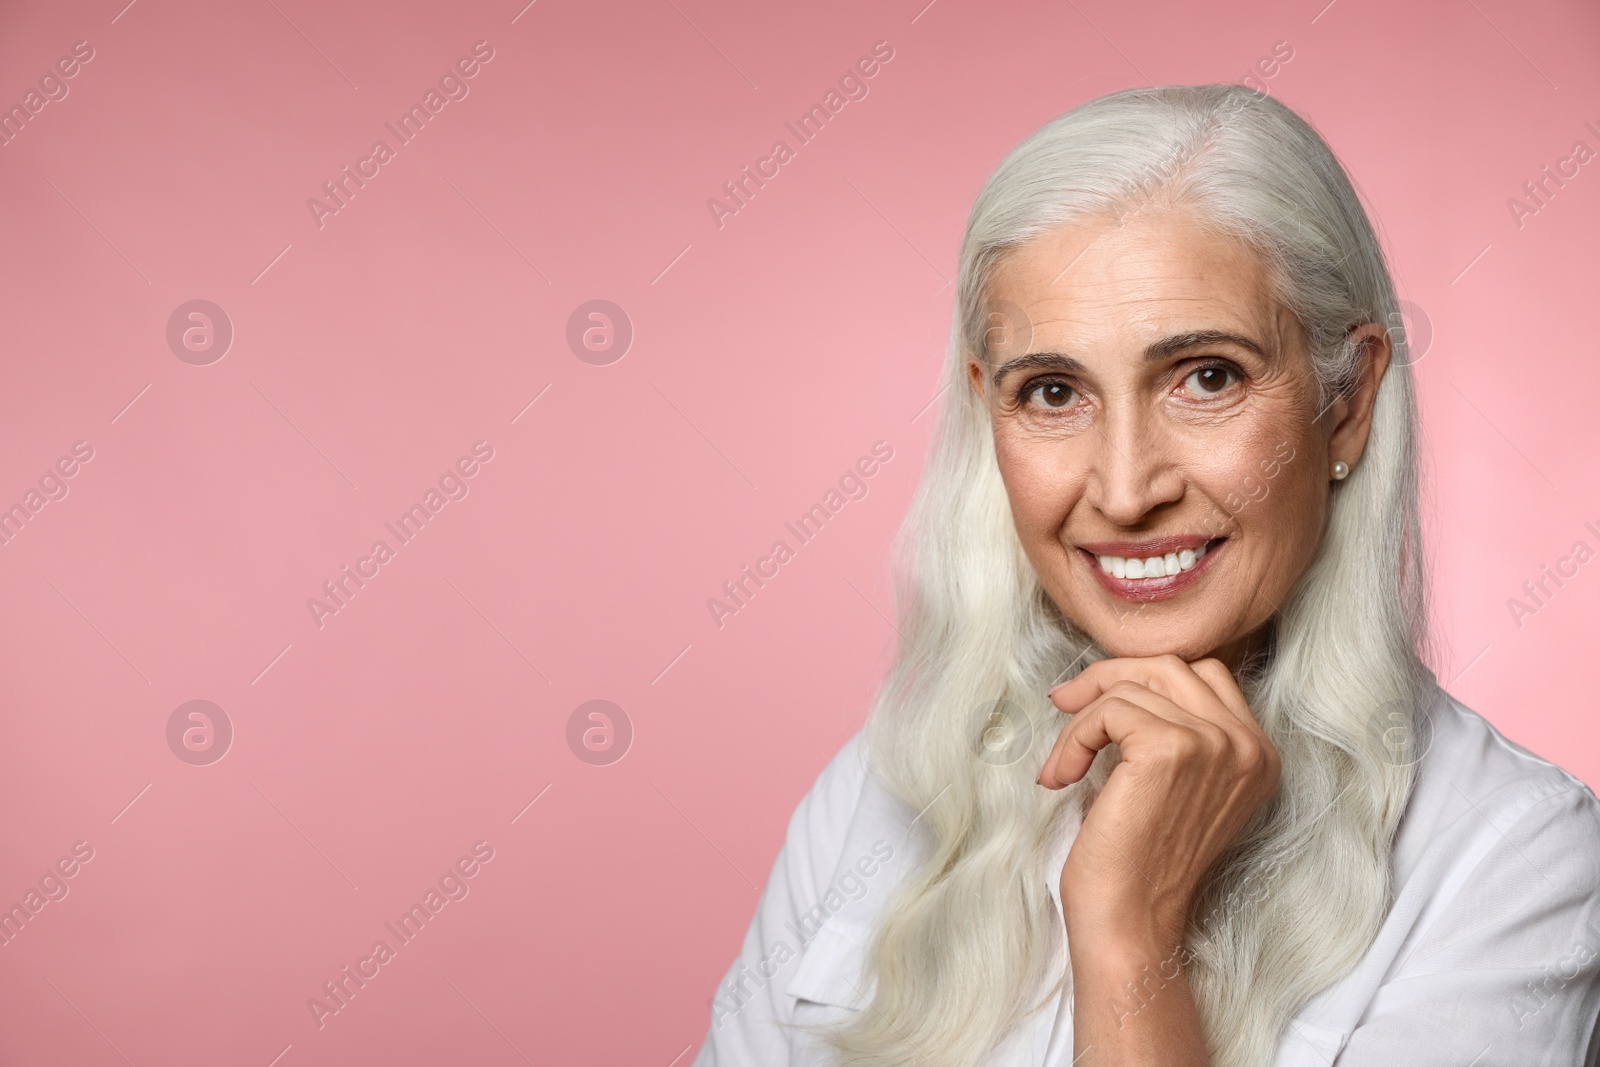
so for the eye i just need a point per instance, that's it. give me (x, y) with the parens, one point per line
(1049, 394)
(1210, 379)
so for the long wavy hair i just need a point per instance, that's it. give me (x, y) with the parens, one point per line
(964, 949)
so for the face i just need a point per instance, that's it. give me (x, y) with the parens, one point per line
(1157, 427)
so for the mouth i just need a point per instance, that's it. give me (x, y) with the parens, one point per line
(1151, 570)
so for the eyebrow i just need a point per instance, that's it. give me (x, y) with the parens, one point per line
(1160, 350)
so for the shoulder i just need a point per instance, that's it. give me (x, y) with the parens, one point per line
(1510, 763)
(1492, 941)
(822, 819)
(1488, 815)
(851, 840)
(1468, 767)
(837, 788)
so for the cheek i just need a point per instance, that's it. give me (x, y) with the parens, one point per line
(1284, 509)
(1038, 484)
(1293, 511)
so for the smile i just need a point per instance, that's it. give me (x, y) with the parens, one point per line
(1152, 570)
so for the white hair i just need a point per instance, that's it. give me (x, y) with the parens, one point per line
(963, 949)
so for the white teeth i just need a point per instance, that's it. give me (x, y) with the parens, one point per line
(1153, 566)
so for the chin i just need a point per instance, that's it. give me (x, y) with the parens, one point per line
(1143, 637)
(1132, 640)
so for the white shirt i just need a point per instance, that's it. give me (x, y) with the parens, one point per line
(1489, 957)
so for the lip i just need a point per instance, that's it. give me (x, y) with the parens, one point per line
(1143, 590)
(1144, 549)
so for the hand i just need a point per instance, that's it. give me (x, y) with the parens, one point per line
(1195, 765)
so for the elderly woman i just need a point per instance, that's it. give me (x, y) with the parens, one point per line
(1177, 466)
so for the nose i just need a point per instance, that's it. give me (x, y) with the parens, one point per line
(1134, 468)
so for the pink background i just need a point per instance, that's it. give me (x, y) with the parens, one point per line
(768, 355)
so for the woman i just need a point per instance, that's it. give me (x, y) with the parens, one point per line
(1177, 466)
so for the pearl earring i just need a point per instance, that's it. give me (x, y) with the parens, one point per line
(1340, 470)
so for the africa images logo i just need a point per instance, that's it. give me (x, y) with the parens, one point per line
(852, 85)
(452, 86)
(852, 485)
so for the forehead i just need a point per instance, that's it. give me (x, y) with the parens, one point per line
(1153, 272)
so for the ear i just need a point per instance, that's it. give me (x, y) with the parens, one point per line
(976, 372)
(1352, 415)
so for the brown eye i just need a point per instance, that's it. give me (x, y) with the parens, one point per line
(1208, 381)
(1053, 394)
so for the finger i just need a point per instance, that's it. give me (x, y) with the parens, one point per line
(1158, 704)
(1055, 750)
(1112, 720)
(1167, 675)
(1222, 683)
(1132, 693)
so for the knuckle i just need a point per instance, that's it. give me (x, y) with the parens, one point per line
(1183, 745)
(1274, 762)
(1117, 702)
(1265, 763)
(1216, 741)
